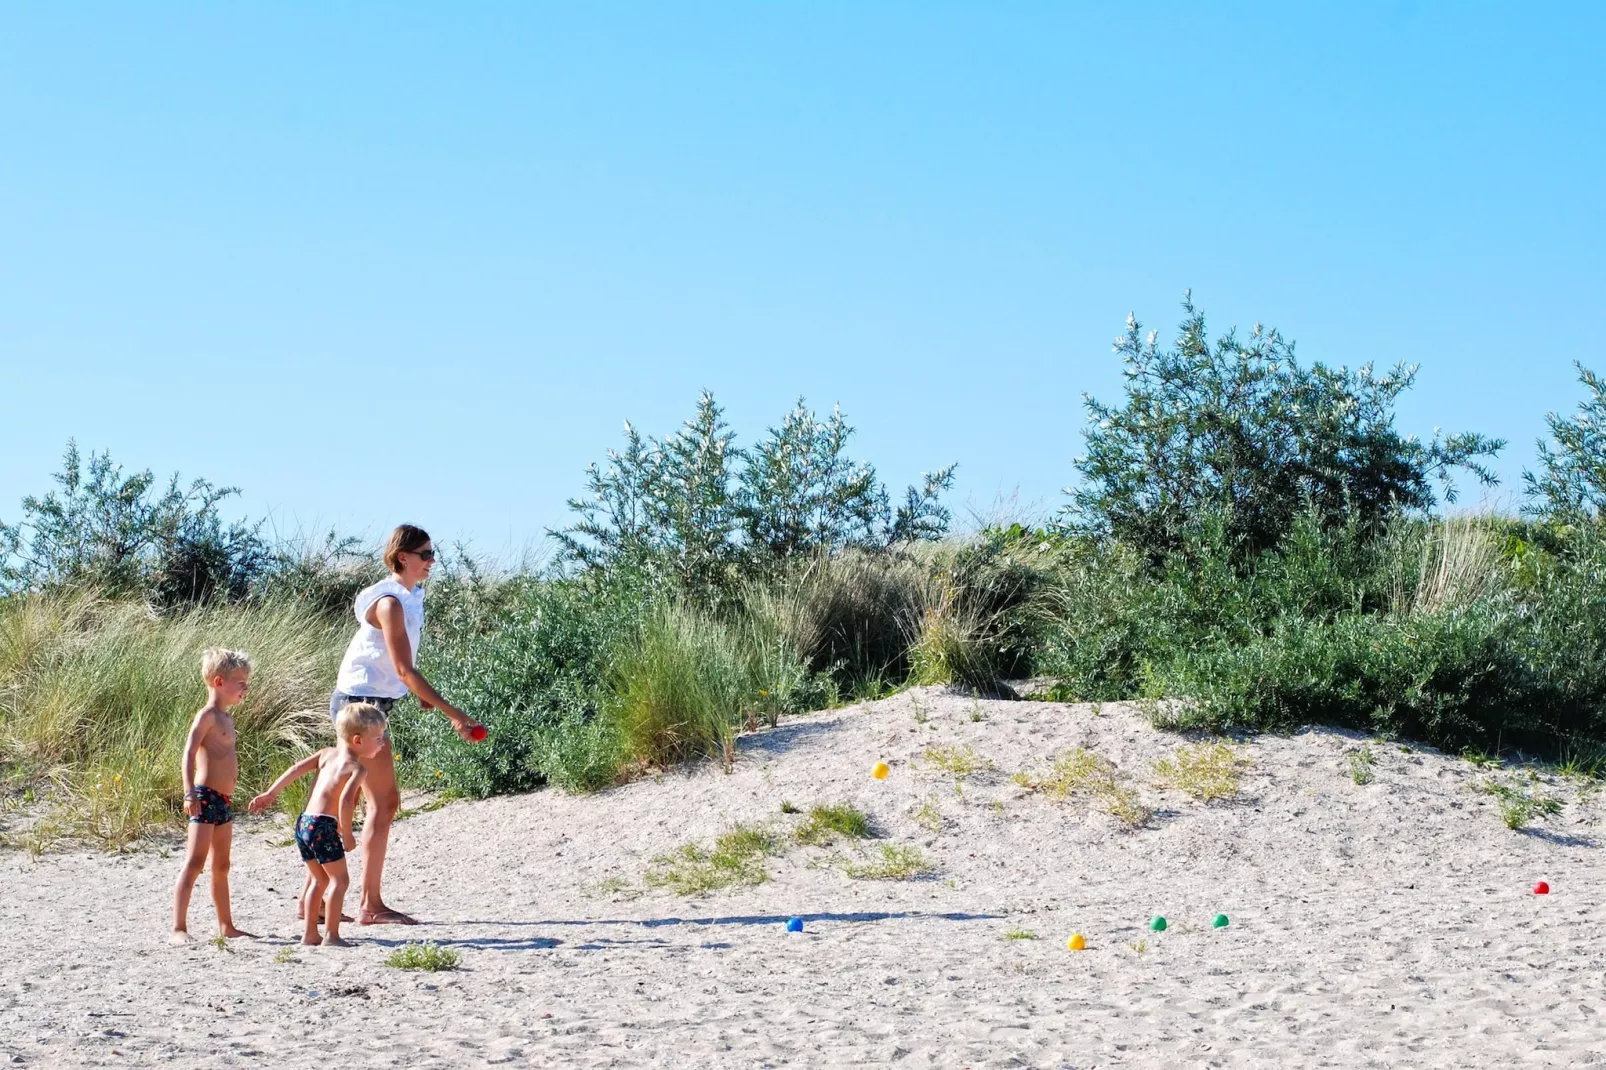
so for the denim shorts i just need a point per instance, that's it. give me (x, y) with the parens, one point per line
(339, 701)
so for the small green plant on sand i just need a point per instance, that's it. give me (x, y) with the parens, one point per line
(1360, 763)
(1480, 758)
(428, 956)
(221, 942)
(1081, 774)
(614, 887)
(826, 823)
(788, 807)
(957, 762)
(737, 858)
(286, 954)
(1020, 934)
(1518, 806)
(927, 816)
(895, 863)
(1205, 772)
(1140, 946)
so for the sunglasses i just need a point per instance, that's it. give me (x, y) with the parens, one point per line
(424, 555)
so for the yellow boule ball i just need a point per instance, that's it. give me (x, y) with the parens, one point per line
(880, 771)
(1076, 942)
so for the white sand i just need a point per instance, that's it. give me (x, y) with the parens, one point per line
(1385, 925)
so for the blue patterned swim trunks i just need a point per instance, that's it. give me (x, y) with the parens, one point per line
(318, 837)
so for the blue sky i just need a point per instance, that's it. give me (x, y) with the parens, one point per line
(375, 262)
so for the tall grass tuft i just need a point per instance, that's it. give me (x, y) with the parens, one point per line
(846, 616)
(96, 699)
(954, 639)
(679, 688)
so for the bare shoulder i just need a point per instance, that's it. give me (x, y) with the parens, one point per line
(205, 717)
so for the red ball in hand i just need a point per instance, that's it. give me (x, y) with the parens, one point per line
(477, 733)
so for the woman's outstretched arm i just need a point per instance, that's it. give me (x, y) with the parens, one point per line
(393, 623)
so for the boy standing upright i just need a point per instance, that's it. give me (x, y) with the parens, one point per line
(210, 768)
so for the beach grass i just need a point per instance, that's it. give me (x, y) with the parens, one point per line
(97, 697)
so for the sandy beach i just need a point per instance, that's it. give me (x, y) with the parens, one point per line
(1390, 924)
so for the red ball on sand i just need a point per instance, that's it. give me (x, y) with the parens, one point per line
(477, 733)
(1541, 888)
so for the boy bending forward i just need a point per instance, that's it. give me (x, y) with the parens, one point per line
(323, 844)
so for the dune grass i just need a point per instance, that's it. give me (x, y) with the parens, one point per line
(826, 823)
(737, 857)
(680, 688)
(1080, 774)
(893, 862)
(96, 699)
(427, 956)
(1204, 772)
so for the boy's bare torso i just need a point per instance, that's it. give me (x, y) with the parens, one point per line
(333, 772)
(217, 766)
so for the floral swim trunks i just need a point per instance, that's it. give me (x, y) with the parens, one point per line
(318, 836)
(214, 806)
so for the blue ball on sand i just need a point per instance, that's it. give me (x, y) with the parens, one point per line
(794, 925)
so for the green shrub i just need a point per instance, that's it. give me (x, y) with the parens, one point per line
(527, 656)
(1243, 429)
(1571, 484)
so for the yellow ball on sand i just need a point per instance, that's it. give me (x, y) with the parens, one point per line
(1076, 942)
(880, 771)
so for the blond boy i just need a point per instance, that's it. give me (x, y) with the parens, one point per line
(361, 732)
(210, 769)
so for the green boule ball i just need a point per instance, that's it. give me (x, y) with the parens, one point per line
(1220, 922)
(1158, 924)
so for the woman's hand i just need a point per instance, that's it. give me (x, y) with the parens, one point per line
(464, 726)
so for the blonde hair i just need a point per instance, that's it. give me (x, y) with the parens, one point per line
(363, 717)
(406, 539)
(217, 661)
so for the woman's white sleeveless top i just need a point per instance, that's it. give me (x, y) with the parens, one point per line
(366, 670)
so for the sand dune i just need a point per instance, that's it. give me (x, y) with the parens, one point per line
(1390, 924)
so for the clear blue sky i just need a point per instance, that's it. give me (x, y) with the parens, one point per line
(235, 238)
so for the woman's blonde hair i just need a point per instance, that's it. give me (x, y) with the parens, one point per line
(406, 539)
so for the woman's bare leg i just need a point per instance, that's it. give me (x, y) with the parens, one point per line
(384, 799)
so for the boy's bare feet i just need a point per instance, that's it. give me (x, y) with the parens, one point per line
(180, 938)
(232, 933)
(312, 941)
(384, 916)
(335, 941)
(301, 915)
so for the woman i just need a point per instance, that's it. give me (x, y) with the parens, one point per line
(378, 668)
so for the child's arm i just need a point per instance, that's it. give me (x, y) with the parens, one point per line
(348, 803)
(290, 775)
(198, 729)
